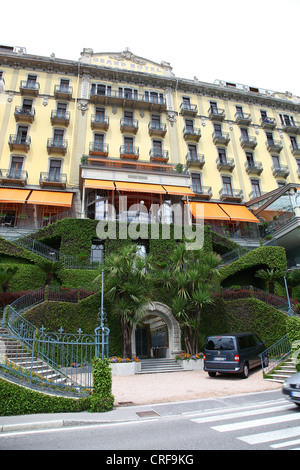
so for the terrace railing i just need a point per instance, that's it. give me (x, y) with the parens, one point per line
(275, 354)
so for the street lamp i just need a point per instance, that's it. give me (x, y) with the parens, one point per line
(290, 310)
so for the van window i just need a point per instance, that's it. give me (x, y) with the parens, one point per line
(218, 344)
(246, 342)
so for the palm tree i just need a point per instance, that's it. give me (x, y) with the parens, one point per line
(6, 275)
(127, 290)
(270, 276)
(51, 268)
(192, 282)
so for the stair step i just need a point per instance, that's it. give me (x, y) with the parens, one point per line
(160, 365)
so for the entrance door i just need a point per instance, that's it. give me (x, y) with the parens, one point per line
(142, 341)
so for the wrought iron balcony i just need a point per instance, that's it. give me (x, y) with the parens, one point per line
(24, 114)
(63, 92)
(129, 125)
(57, 146)
(248, 142)
(98, 148)
(225, 164)
(19, 142)
(280, 170)
(205, 192)
(216, 114)
(229, 194)
(195, 160)
(50, 179)
(291, 127)
(295, 148)
(129, 98)
(158, 155)
(60, 117)
(157, 129)
(221, 138)
(99, 122)
(28, 87)
(243, 119)
(254, 167)
(14, 175)
(129, 151)
(191, 133)
(268, 123)
(274, 145)
(188, 109)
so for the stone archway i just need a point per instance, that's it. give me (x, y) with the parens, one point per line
(174, 333)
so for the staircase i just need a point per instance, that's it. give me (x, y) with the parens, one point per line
(16, 356)
(154, 366)
(283, 371)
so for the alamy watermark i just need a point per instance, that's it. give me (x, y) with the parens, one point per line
(136, 221)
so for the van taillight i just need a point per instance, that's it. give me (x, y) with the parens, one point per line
(237, 358)
(204, 357)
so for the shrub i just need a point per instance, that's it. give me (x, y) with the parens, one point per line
(102, 398)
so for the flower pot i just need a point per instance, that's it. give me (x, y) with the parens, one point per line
(125, 368)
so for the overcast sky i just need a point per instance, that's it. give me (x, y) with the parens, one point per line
(255, 42)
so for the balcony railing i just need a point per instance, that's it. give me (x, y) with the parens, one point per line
(129, 165)
(188, 109)
(274, 145)
(268, 123)
(99, 122)
(29, 88)
(227, 164)
(221, 138)
(57, 146)
(129, 125)
(19, 142)
(195, 160)
(98, 148)
(127, 98)
(295, 148)
(63, 92)
(291, 127)
(158, 155)
(155, 128)
(129, 151)
(14, 176)
(191, 133)
(216, 114)
(254, 167)
(60, 117)
(248, 142)
(281, 170)
(24, 114)
(243, 119)
(231, 194)
(203, 192)
(50, 179)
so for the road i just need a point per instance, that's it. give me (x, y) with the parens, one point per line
(262, 421)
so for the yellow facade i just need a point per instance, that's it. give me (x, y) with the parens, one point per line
(77, 120)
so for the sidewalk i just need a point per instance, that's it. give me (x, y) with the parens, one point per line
(140, 397)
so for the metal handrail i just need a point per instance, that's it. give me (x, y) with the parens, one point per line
(275, 354)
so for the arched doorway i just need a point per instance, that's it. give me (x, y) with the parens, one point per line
(158, 333)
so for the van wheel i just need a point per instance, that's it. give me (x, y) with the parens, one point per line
(245, 372)
(212, 374)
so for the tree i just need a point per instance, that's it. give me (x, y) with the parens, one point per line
(191, 281)
(51, 268)
(127, 290)
(6, 275)
(270, 276)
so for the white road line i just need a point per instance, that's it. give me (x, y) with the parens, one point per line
(285, 444)
(256, 422)
(217, 411)
(270, 436)
(240, 414)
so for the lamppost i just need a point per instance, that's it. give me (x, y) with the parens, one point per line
(290, 310)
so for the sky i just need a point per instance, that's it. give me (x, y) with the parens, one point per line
(253, 42)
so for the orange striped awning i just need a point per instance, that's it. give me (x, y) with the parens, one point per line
(240, 213)
(179, 190)
(139, 187)
(99, 184)
(14, 195)
(51, 198)
(208, 211)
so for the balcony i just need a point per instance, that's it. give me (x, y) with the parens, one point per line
(63, 92)
(129, 125)
(60, 117)
(57, 146)
(128, 99)
(191, 133)
(295, 148)
(229, 194)
(19, 142)
(159, 156)
(99, 122)
(274, 146)
(24, 114)
(14, 176)
(227, 164)
(29, 88)
(255, 194)
(50, 179)
(129, 151)
(205, 192)
(98, 149)
(280, 170)
(195, 160)
(157, 129)
(221, 138)
(243, 119)
(268, 123)
(291, 127)
(253, 168)
(188, 109)
(216, 115)
(248, 142)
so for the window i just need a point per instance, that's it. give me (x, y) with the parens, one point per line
(218, 130)
(286, 120)
(61, 110)
(250, 159)
(27, 106)
(58, 137)
(16, 167)
(245, 135)
(22, 134)
(255, 185)
(196, 182)
(227, 187)
(192, 151)
(154, 97)
(186, 102)
(128, 144)
(155, 121)
(270, 138)
(222, 155)
(98, 142)
(128, 118)
(31, 81)
(157, 148)
(276, 161)
(294, 143)
(54, 170)
(213, 107)
(64, 84)
(97, 252)
(239, 112)
(189, 125)
(298, 163)
(99, 89)
(100, 115)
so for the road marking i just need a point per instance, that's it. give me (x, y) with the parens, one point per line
(285, 444)
(270, 436)
(256, 422)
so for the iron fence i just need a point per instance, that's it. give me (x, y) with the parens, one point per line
(275, 354)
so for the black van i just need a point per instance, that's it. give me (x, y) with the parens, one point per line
(232, 353)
